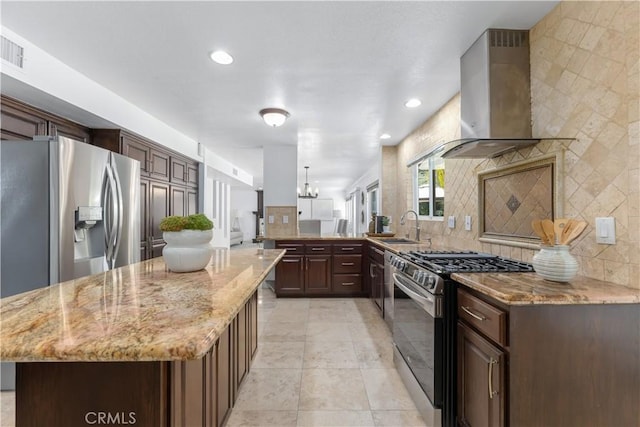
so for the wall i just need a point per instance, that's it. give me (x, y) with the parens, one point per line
(372, 175)
(585, 73)
(243, 203)
(280, 195)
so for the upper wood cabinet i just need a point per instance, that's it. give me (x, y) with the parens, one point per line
(20, 124)
(21, 121)
(156, 162)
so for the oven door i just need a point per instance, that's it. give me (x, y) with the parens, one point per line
(418, 334)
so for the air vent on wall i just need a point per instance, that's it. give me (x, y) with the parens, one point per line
(11, 52)
(508, 38)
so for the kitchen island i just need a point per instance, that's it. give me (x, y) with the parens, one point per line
(146, 346)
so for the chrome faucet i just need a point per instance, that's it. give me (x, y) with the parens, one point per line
(417, 226)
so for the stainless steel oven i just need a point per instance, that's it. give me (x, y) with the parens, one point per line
(424, 323)
(419, 336)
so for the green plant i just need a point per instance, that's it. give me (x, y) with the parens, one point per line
(385, 220)
(191, 222)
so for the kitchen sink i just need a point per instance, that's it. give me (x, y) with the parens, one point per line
(398, 240)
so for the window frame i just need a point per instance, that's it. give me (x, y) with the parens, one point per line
(432, 184)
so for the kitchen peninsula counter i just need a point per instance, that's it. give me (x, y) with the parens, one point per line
(381, 241)
(529, 288)
(141, 345)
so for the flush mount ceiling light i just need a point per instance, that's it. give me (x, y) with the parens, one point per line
(274, 116)
(221, 57)
(308, 193)
(413, 103)
(385, 136)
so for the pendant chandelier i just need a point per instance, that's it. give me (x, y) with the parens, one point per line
(307, 192)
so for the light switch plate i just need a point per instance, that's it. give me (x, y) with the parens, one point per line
(285, 219)
(272, 219)
(606, 230)
(452, 222)
(467, 222)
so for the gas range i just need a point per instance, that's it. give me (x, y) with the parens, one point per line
(429, 269)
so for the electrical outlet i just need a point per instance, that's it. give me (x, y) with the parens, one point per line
(285, 219)
(272, 219)
(452, 222)
(467, 222)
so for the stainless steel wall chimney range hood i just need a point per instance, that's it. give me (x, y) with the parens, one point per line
(495, 96)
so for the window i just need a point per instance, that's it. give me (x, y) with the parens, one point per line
(429, 188)
(372, 197)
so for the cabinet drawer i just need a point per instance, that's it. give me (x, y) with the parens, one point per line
(317, 249)
(377, 253)
(347, 283)
(347, 264)
(293, 248)
(483, 316)
(347, 248)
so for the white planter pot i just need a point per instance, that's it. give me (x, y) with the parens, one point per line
(187, 250)
(555, 263)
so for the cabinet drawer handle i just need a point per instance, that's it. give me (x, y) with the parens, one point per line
(348, 249)
(317, 249)
(348, 283)
(347, 263)
(470, 313)
(492, 392)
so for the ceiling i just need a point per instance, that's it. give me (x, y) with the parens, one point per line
(343, 70)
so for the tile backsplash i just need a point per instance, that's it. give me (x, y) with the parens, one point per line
(585, 74)
(280, 214)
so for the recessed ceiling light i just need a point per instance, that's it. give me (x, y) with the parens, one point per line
(221, 57)
(413, 103)
(385, 136)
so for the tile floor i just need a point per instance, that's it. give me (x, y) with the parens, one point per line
(320, 362)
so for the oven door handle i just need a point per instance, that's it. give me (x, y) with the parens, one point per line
(427, 302)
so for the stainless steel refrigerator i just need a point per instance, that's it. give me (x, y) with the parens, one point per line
(67, 210)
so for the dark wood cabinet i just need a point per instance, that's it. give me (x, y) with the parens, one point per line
(550, 365)
(178, 204)
(290, 276)
(159, 200)
(145, 243)
(21, 121)
(317, 274)
(375, 276)
(253, 326)
(320, 268)
(482, 355)
(241, 349)
(133, 148)
(224, 370)
(481, 380)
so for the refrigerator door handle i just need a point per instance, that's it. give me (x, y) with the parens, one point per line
(110, 216)
(119, 213)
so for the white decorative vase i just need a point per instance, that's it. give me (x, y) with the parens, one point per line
(386, 229)
(555, 263)
(187, 250)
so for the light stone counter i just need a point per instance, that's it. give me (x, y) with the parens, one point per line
(141, 312)
(382, 241)
(529, 288)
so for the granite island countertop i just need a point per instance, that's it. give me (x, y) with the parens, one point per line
(529, 288)
(140, 312)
